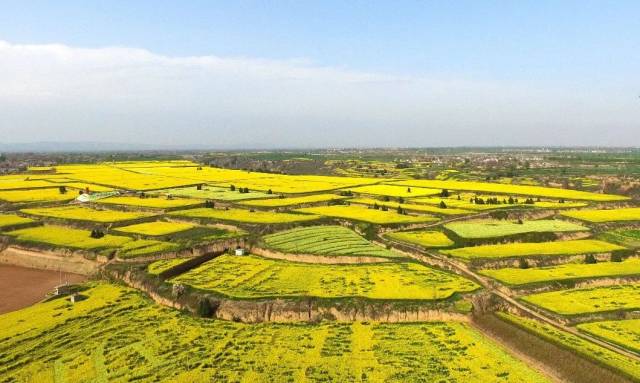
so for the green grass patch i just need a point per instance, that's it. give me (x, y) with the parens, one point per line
(424, 238)
(495, 228)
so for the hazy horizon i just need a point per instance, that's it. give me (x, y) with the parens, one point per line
(379, 76)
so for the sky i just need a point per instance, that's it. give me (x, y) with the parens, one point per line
(311, 74)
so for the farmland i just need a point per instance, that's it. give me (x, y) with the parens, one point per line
(67, 237)
(162, 265)
(486, 187)
(623, 332)
(214, 192)
(325, 240)
(7, 220)
(488, 229)
(79, 213)
(202, 350)
(591, 300)
(35, 195)
(156, 228)
(423, 238)
(161, 203)
(279, 202)
(605, 215)
(395, 191)
(256, 277)
(353, 238)
(361, 213)
(243, 215)
(584, 246)
(571, 271)
(410, 206)
(585, 348)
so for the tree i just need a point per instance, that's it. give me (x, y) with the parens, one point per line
(232, 188)
(444, 193)
(459, 197)
(384, 208)
(199, 187)
(408, 190)
(375, 206)
(590, 259)
(204, 308)
(443, 205)
(63, 189)
(522, 263)
(520, 222)
(400, 210)
(386, 198)
(511, 200)
(400, 200)
(269, 191)
(616, 257)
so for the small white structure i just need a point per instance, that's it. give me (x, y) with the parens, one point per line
(240, 251)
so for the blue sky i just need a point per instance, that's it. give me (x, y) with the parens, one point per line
(584, 53)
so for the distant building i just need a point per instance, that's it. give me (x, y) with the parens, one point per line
(240, 251)
(62, 289)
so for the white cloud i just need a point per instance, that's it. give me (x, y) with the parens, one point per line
(119, 94)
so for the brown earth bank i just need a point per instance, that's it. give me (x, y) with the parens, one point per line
(21, 287)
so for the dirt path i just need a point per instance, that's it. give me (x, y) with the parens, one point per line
(21, 287)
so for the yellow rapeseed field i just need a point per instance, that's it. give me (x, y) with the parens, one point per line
(608, 215)
(80, 213)
(243, 215)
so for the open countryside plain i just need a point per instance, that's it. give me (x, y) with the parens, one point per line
(237, 275)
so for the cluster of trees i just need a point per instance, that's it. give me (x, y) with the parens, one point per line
(97, 233)
(209, 203)
(241, 190)
(63, 189)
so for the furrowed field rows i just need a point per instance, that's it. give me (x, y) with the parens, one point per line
(494, 228)
(256, 277)
(625, 333)
(591, 300)
(119, 335)
(584, 246)
(572, 271)
(325, 240)
(583, 347)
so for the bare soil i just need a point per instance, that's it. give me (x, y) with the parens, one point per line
(21, 287)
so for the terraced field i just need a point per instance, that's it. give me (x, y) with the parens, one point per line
(62, 236)
(626, 333)
(67, 237)
(325, 240)
(608, 215)
(36, 195)
(571, 271)
(215, 193)
(583, 347)
(361, 213)
(624, 237)
(256, 277)
(162, 265)
(156, 228)
(8, 220)
(495, 228)
(423, 238)
(242, 215)
(146, 342)
(410, 206)
(583, 246)
(80, 213)
(591, 300)
(279, 202)
(153, 202)
(524, 190)
(395, 191)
